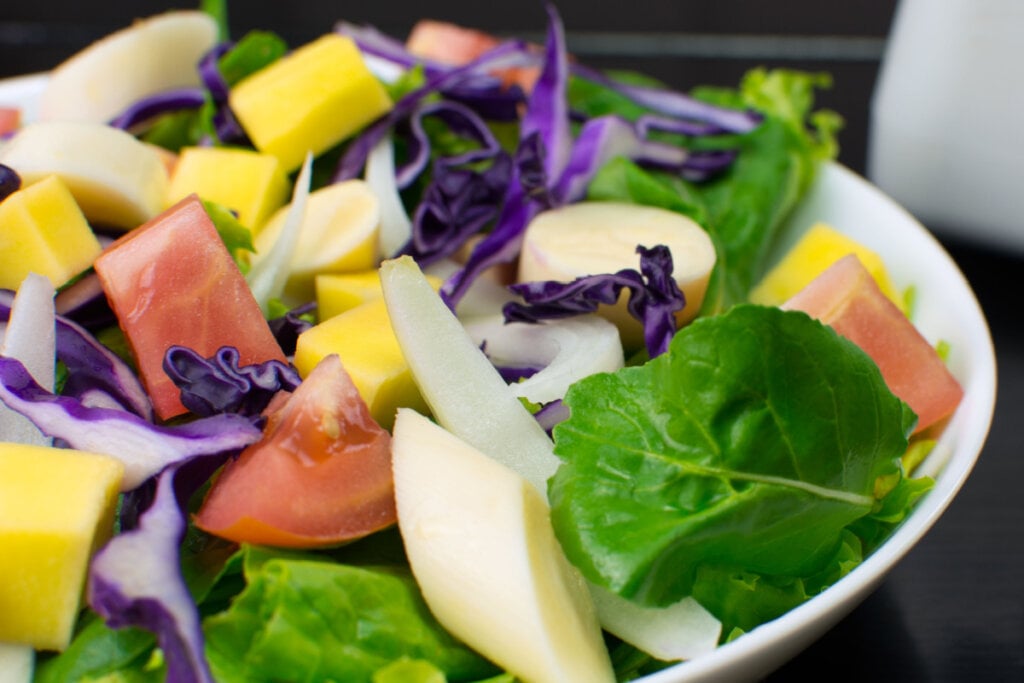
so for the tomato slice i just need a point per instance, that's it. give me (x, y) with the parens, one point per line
(320, 476)
(172, 281)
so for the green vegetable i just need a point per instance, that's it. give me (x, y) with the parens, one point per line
(302, 617)
(256, 50)
(236, 237)
(749, 446)
(776, 164)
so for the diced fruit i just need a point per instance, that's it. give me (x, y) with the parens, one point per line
(173, 282)
(118, 181)
(847, 297)
(320, 476)
(310, 100)
(339, 292)
(338, 234)
(44, 232)
(150, 56)
(593, 238)
(364, 340)
(250, 183)
(480, 544)
(818, 248)
(10, 120)
(56, 509)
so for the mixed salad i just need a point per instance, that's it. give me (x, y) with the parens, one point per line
(685, 479)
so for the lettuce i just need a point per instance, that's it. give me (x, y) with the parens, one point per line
(749, 447)
(303, 618)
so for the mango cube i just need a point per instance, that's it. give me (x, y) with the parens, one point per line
(43, 231)
(340, 292)
(309, 100)
(250, 183)
(56, 509)
(364, 340)
(818, 248)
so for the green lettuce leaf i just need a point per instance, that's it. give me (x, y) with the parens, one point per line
(751, 445)
(302, 617)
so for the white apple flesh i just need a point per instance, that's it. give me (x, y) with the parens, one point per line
(150, 56)
(480, 543)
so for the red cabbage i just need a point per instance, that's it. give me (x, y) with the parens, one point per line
(136, 579)
(654, 297)
(287, 328)
(161, 103)
(210, 386)
(144, 449)
(92, 369)
(10, 182)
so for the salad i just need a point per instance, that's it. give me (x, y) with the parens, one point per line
(381, 403)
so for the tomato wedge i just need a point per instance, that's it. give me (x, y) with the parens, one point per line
(320, 476)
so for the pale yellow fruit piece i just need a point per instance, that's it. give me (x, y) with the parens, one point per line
(338, 234)
(818, 248)
(247, 182)
(56, 509)
(339, 292)
(310, 100)
(595, 238)
(117, 181)
(150, 56)
(364, 340)
(43, 231)
(481, 546)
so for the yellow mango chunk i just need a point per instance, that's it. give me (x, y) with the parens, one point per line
(250, 183)
(339, 292)
(364, 340)
(338, 235)
(309, 100)
(56, 509)
(817, 249)
(42, 230)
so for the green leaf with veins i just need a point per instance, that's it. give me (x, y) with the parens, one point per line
(751, 445)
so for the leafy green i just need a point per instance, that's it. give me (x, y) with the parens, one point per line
(776, 164)
(256, 50)
(750, 445)
(236, 237)
(218, 9)
(302, 617)
(98, 651)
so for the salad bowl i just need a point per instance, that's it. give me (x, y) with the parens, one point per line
(945, 310)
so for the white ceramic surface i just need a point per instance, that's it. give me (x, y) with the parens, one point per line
(946, 309)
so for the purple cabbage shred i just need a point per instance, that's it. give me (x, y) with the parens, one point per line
(10, 181)
(136, 580)
(216, 385)
(654, 297)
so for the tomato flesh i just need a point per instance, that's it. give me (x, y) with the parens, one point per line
(171, 282)
(320, 476)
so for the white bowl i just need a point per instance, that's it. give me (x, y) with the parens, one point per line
(946, 309)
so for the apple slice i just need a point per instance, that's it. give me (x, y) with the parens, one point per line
(117, 181)
(150, 56)
(480, 543)
(846, 297)
(16, 663)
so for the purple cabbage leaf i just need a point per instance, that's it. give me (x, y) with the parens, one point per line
(215, 385)
(95, 375)
(654, 297)
(136, 579)
(144, 449)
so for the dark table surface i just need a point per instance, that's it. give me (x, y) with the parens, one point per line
(953, 609)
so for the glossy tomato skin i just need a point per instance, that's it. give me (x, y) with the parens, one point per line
(171, 282)
(320, 476)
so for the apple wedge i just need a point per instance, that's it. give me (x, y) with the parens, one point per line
(150, 56)
(480, 543)
(117, 181)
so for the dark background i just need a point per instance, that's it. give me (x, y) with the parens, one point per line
(953, 610)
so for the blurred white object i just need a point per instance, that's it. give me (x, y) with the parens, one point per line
(945, 138)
